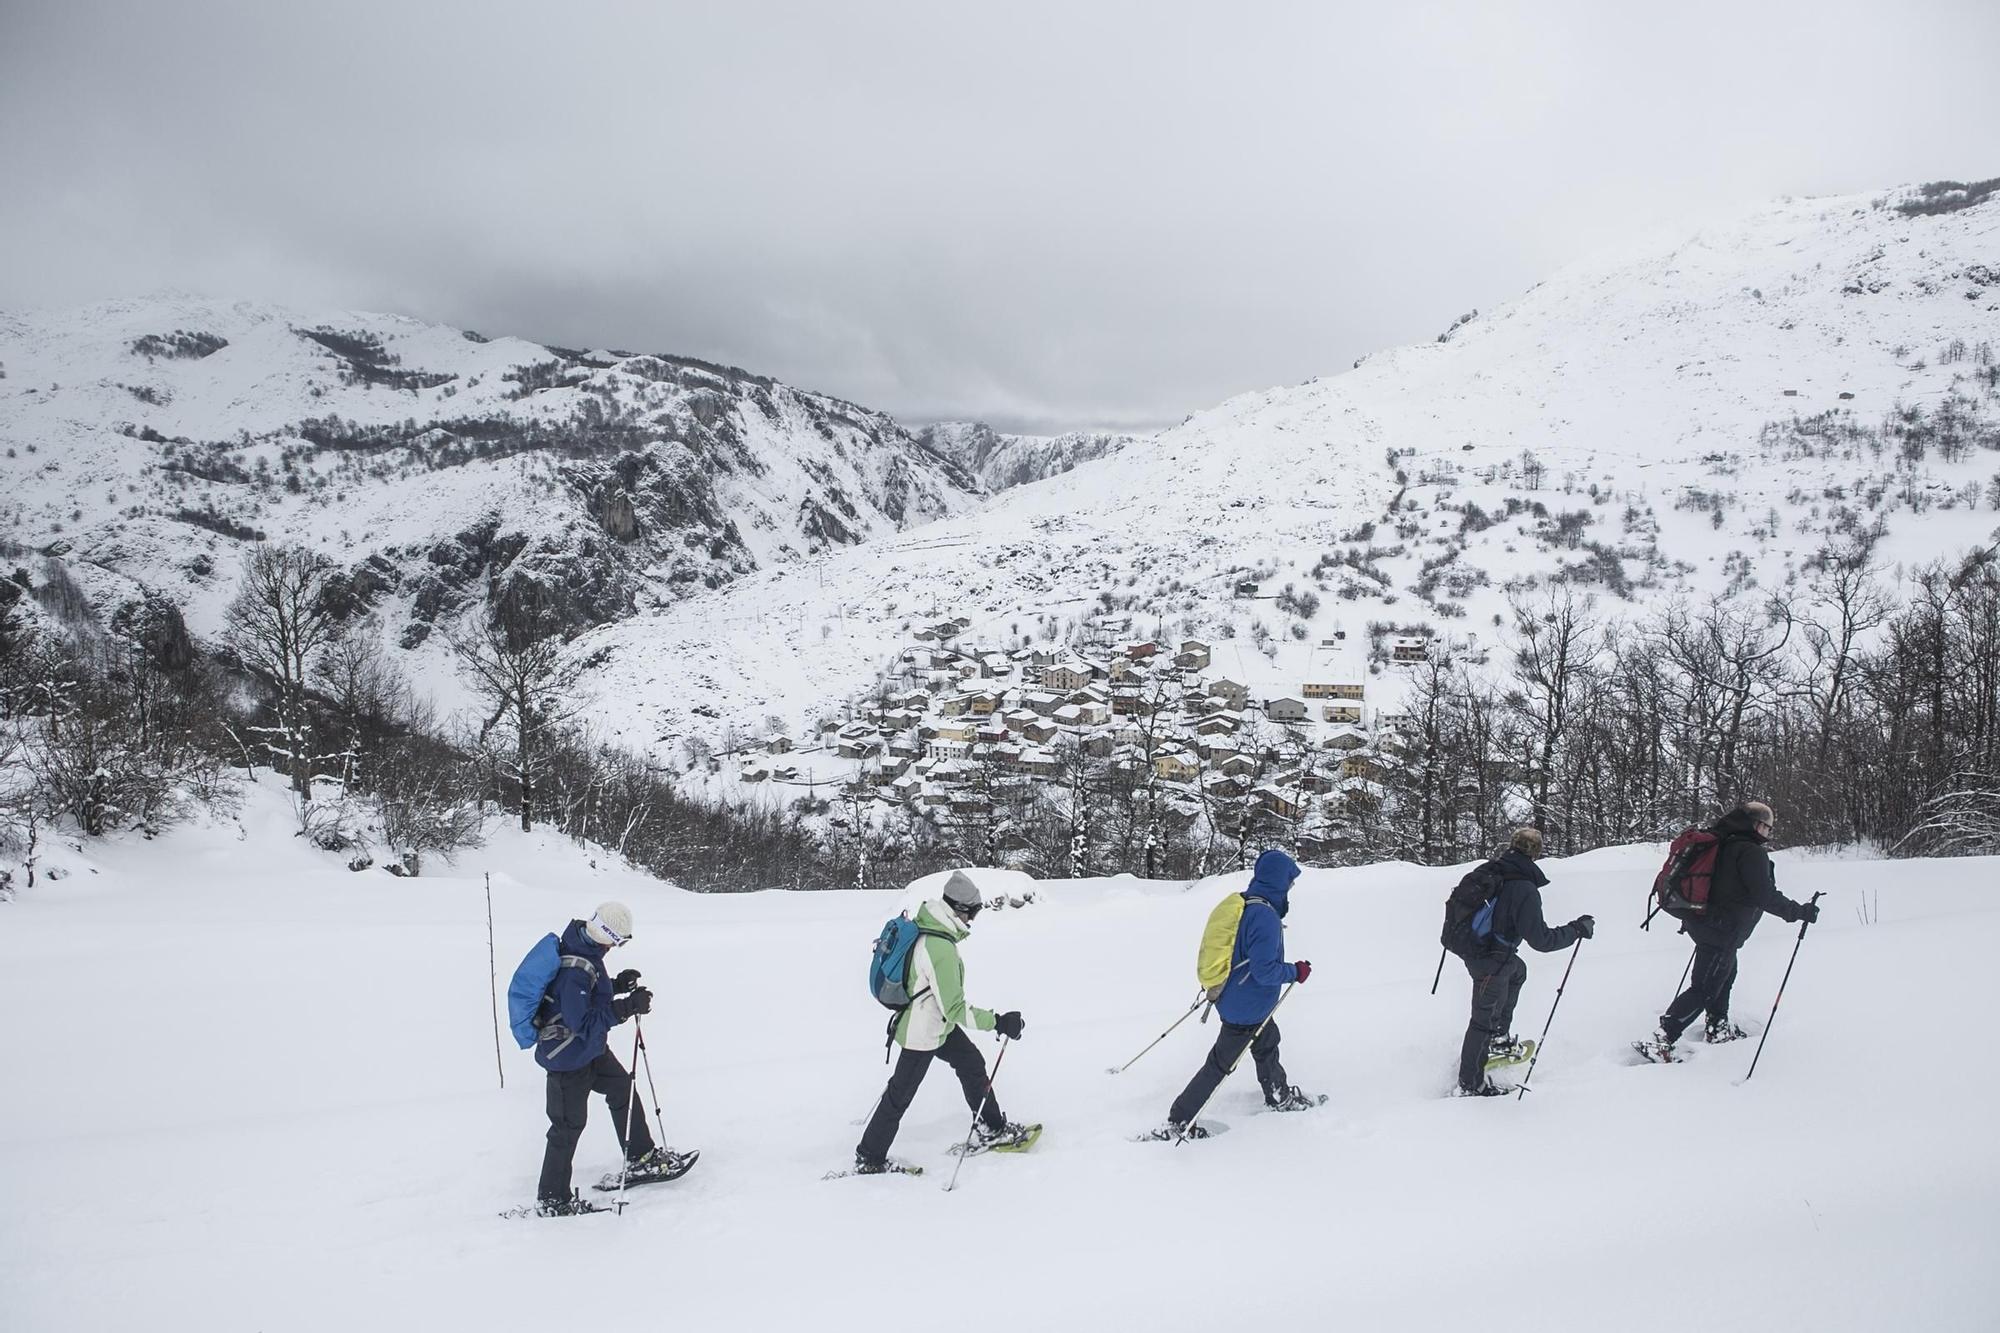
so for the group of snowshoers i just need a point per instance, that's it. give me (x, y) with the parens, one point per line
(1718, 882)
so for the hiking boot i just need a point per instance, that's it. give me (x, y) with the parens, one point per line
(1660, 1050)
(988, 1137)
(1290, 1099)
(1509, 1047)
(1487, 1089)
(1188, 1130)
(1721, 1030)
(574, 1205)
(655, 1159)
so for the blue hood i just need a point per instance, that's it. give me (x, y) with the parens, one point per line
(1272, 879)
(576, 940)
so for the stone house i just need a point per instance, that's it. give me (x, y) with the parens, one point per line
(1285, 708)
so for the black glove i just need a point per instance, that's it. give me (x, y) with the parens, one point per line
(640, 1001)
(1809, 913)
(1585, 926)
(625, 980)
(1009, 1024)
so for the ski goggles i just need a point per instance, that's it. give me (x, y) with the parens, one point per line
(597, 924)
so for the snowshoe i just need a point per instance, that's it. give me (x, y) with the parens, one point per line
(1660, 1050)
(1487, 1089)
(661, 1164)
(1009, 1138)
(1172, 1133)
(1717, 1033)
(574, 1206)
(1505, 1051)
(1292, 1099)
(889, 1166)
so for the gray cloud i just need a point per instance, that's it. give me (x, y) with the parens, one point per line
(1043, 214)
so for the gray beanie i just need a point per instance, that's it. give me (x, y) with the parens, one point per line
(961, 892)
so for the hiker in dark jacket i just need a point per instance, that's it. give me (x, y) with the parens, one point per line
(1744, 888)
(1258, 976)
(584, 1003)
(1495, 966)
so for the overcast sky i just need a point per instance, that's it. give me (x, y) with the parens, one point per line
(1052, 215)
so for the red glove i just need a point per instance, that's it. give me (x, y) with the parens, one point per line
(1305, 969)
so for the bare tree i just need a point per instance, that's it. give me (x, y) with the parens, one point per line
(528, 687)
(1556, 652)
(280, 622)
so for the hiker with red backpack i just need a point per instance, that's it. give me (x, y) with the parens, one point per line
(1494, 910)
(1718, 882)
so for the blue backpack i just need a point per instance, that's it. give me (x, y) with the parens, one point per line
(530, 987)
(889, 965)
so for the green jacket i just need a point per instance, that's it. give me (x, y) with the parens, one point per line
(937, 979)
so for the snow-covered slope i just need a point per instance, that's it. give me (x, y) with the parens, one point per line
(1005, 461)
(150, 440)
(1706, 412)
(252, 1090)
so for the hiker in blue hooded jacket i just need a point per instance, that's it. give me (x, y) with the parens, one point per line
(582, 1005)
(1258, 975)
(1494, 960)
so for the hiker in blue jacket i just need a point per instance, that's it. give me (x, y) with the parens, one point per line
(1258, 975)
(583, 1004)
(1495, 963)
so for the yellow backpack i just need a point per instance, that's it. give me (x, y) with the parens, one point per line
(1218, 945)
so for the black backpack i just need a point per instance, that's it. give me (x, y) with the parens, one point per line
(1478, 890)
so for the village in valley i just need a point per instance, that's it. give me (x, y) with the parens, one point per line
(1219, 741)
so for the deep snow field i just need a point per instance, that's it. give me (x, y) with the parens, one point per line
(247, 1089)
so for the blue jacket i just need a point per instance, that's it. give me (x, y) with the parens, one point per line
(1258, 972)
(1517, 912)
(578, 1003)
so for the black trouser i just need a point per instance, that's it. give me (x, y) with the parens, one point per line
(911, 1066)
(1496, 985)
(569, 1107)
(1709, 984)
(1222, 1058)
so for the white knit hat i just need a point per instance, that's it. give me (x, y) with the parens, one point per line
(611, 926)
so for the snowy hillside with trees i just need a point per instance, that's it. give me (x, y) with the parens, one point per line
(150, 442)
(1717, 413)
(279, 1108)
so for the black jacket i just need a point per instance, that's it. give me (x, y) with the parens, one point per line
(1745, 887)
(1517, 913)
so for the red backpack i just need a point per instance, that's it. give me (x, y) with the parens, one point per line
(1681, 888)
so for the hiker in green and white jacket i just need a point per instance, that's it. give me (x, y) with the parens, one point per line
(935, 1023)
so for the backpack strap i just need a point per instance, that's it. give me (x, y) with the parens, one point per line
(554, 1029)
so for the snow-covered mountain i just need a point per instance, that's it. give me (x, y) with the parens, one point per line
(1002, 462)
(1704, 412)
(150, 440)
(1701, 412)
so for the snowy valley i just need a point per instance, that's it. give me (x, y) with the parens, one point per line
(278, 1107)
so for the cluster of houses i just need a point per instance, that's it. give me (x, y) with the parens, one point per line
(952, 718)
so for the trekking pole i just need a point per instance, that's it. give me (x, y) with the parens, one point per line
(1781, 991)
(631, 1096)
(1685, 973)
(1440, 972)
(493, 984)
(984, 1098)
(1560, 985)
(1239, 1057)
(1163, 1036)
(645, 1055)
